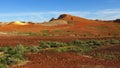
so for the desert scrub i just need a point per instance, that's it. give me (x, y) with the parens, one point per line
(69, 49)
(44, 45)
(15, 55)
(79, 45)
(95, 43)
(106, 56)
(83, 46)
(88, 45)
(50, 44)
(58, 30)
(61, 49)
(33, 34)
(114, 41)
(44, 32)
(3, 66)
(12, 55)
(33, 49)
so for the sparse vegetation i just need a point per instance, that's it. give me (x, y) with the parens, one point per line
(49, 44)
(33, 49)
(85, 43)
(106, 56)
(77, 45)
(33, 34)
(2, 66)
(14, 55)
(58, 30)
(45, 33)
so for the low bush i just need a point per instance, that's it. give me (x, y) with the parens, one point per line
(2, 66)
(33, 34)
(106, 56)
(14, 55)
(95, 43)
(44, 45)
(4, 49)
(61, 49)
(45, 33)
(79, 45)
(49, 44)
(33, 49)
(114, 41)
(58, 30)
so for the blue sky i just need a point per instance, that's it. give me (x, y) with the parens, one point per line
(43, 10)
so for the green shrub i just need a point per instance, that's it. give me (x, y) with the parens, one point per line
(20, 49)
(86, 44)
(45, 33)
(114, 41)
(3, 49)
(75, 49)
(50, 44)
(56, 44)
(18, 56)
(106, 56)
(58, 30)
(33, 49)
(44, 45)
(11, 51)
(96, 42)
(14, 55)
(3, 60)
(79, 45)
(67, 49)
(77, 42)
(33, 34)
(2, 66)
(11, 60)
(61, 49)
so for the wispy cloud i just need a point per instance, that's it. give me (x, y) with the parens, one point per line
(107, 14)
(37, 16)
(109, 11)
(45, 16)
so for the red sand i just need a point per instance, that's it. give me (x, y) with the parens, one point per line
(66, 60)
(34, 40)
(62, 60)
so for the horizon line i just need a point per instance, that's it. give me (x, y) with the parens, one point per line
(107, 14)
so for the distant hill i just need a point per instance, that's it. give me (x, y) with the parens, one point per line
(117, 20)
(114, 21)
(65, 19)
(67, 24)
(69, 17)
(55, 22)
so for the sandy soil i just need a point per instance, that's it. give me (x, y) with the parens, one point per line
(66, 60)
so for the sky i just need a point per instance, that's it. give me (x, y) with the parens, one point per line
(44, 10)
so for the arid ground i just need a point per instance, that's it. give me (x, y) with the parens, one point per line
(97, 45)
